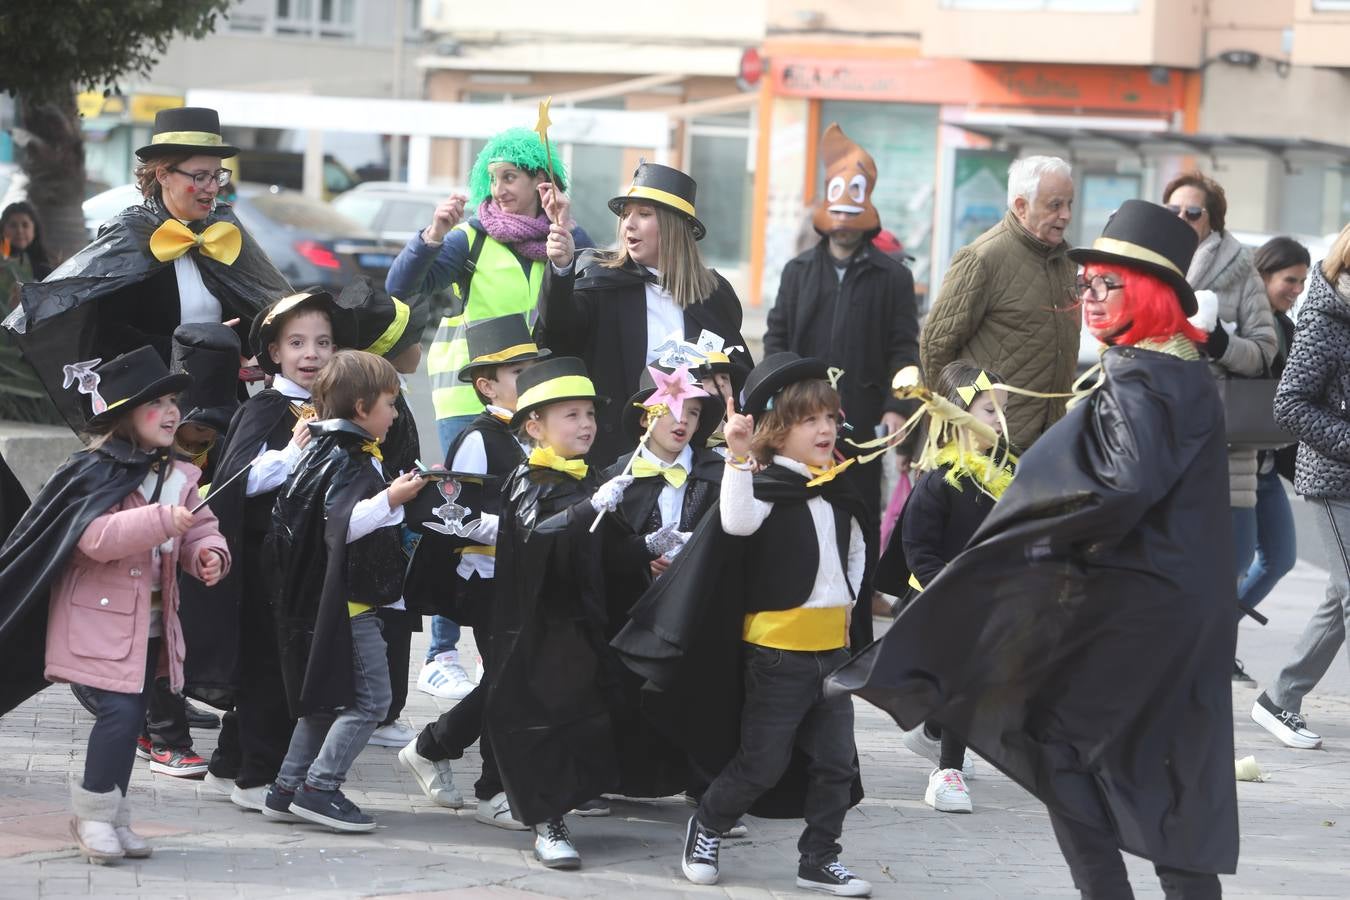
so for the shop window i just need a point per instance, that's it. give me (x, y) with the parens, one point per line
(718, 152)
(902, 138)
(1099, 195)
(317, 18)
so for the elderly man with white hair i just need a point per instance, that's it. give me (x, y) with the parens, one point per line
(1008, 302)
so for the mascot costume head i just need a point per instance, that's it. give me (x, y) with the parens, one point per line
(850, 176)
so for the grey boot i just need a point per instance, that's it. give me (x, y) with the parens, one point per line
(92, 826)
(133, 845)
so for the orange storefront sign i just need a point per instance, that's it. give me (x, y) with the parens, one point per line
(953, 81)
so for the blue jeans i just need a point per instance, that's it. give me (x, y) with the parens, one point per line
(1276, 543)
(444, 637)
(1244, 538)
(448, 429)
(325, 744)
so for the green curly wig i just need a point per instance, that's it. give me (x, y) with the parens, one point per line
(521, 148)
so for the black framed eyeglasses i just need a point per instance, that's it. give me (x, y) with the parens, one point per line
(1192, 213)
(201, 179)
(1099, 285)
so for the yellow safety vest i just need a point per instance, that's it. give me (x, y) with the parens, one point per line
(499, 287)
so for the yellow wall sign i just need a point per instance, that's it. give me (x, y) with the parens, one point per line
(142, 107)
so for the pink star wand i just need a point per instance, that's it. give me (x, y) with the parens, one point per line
(672, 389)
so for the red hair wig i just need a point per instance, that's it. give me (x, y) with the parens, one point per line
(1151, 311)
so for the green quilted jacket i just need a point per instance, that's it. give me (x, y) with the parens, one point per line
(1007, 304)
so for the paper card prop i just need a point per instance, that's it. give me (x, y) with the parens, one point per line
(850, 176)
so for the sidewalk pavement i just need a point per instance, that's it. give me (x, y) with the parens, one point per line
(1293, 826)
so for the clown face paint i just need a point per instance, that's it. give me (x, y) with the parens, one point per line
(155, 421)
(850, 176)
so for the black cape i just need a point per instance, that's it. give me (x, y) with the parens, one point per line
(316, 572)
(1083, 642)
(114, 296)
(87, 485)
(650, 763)
(684, 638)
(548, 702)
(212, 618)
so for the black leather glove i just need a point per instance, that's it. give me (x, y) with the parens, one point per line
(1217, 344)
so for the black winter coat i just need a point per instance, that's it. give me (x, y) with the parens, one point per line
(1313, 399)
(869, 323)
(600, 315)
(1083, 642)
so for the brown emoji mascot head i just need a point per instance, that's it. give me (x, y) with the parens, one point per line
(850, 176)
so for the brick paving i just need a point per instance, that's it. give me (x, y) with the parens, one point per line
(1293, 826)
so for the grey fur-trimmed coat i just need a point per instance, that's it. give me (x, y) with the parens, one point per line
(1222, 265)
(1313, 400)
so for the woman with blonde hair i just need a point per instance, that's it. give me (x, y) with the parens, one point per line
(1312, 402)
(621, 310)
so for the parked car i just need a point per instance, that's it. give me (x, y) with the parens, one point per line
(391, 209)
(286, 168)
(309, 241)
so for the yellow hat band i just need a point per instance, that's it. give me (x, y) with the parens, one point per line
(639, 192)
(502, 355)
(561, 388)
(198, 138)
(385, 342)
(285, 305)
(1135, 251)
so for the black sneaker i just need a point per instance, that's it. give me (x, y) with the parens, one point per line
(699, 861)
(200, 718)
(1285, 725)
(597, 807)
(1240, 675)
(277, 806)
(330, 808)
(832, 878)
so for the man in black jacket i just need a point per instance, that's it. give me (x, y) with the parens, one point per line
(851, 305)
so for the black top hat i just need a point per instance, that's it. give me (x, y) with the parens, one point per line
(121, 384)
(209, 352)
(774, 373)
(630, 418)
(499, 341)
(186, 129)
(552, 381)
(268, 322)
(664, 186)
(1146, 236)
(385, 325)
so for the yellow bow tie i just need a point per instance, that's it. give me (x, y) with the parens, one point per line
(221, 241)
(645, 468)
(373, 448)
(546, 458)
(821, 476)
(304, 411)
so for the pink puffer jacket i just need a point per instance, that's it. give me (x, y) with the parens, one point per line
(99, 625)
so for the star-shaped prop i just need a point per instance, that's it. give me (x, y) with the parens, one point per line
(542, 127)
(672, 389)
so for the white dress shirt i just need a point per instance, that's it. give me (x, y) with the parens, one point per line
(664, 317)
(195, 302)
(743, 513)
(671, 499)
(471, 457)
(271, 467)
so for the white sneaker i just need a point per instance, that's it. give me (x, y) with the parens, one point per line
(917, 741)
(553, 846)
(497, 812)
(218, 785)
(254, 798)
(434, 777)
(395, 734)
(1286, 726)
(947, 791)
(445, 680)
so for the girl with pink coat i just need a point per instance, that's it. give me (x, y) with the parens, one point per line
(104, 541)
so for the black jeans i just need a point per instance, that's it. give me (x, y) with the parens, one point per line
(166, 723)
(1098, 869)
(398, 629)
(458, 727)
(785, 708)
(262, 720)
(112, 741)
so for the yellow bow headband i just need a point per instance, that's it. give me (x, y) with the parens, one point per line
(971, 391)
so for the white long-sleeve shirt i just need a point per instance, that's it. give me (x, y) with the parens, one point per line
(743, 513)
(272, 467)
(471, 458)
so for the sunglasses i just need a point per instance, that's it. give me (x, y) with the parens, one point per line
(1192, 213)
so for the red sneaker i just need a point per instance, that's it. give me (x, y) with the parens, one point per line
(143, 748)
(178, 763)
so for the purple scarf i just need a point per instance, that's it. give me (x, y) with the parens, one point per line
(526, 235)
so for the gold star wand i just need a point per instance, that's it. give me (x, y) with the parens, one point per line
(542, 127)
